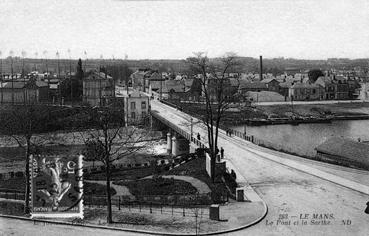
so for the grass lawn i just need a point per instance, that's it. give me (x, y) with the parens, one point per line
(93, 189)
(196, 168)
(129, 174)
(159, 186)
(12, 208)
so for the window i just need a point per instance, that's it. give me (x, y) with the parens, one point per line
(133, 105)
(133, 115)
(143, 105)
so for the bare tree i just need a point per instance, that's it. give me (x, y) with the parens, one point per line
(21, 124)
(216, 93)
(110, 141)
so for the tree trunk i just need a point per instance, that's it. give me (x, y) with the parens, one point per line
(108, 194)
(212, 166)
(27, 209)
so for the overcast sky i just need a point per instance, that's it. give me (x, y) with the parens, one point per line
(311, 29)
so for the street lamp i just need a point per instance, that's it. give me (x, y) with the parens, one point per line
(57, 54)
(70, 78)
(24, 76)
(11, 54)
(191, 120)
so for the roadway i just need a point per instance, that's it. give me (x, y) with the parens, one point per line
(287, 191)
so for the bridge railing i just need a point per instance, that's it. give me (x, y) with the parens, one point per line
(180, 131)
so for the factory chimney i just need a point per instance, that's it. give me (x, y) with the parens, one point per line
(261, 68)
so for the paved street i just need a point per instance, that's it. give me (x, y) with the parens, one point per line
(289, 192)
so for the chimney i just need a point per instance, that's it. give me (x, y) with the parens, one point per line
(261, 68)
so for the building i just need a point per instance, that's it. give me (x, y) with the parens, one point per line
(136, 106)
(342, 87)
(345, 151)
(251, 86)
(214, 84)
(330, 88)
(354, 88)
(304, 91)
(272, 84)
(142, 78)
(98, 89)
(18, 92)
(284, 89)
(364, 91)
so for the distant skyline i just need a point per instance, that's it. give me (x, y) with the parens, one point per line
(301, 29)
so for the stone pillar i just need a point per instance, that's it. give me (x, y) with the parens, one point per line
(174, 146)
(169, 143)
(214, 212)
(192, 147)
(180, 146)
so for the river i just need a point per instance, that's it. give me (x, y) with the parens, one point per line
(303, 138)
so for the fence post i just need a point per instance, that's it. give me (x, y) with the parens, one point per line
(183, 211)
(150, 207)
(119, 202)
(172, 209)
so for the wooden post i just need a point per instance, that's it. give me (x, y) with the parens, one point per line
(119, 202)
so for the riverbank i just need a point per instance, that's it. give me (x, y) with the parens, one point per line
(286, 113)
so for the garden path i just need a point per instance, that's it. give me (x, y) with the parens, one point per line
(120, 189)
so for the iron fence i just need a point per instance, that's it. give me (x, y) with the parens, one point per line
(12, 194)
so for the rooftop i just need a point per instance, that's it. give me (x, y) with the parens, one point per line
(255, 85)
(98, 75)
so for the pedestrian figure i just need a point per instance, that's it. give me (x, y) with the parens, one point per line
(198, 136)
(233, 174)
(216, 151)
(230, 133)
(222, 152)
